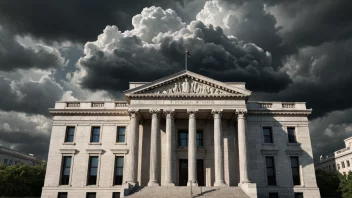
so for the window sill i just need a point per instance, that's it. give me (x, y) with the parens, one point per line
(94, 143)
(68, 143)
(64, 186)
(92, 186)
(121, 143)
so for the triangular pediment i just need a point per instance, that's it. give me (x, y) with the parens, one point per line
(187, 84)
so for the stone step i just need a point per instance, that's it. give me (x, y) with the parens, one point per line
(177, 191)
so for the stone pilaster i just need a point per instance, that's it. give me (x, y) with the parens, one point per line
(155, 130)
(192, 148)
(242, 146)
(218, 149)
(133, 147)
(169, 113)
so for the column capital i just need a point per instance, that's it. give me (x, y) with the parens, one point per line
(134, 113)
(217, 113)
(155, 112)
(192, 112)
(169, 113)
(241, 113)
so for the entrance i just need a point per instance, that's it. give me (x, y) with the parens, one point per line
(183, 172)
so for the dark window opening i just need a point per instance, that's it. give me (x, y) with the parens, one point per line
(121, 134)
(273, 195)
(91, 195)
(295, 171)
(93, 170)
(270, 171)
(118, 170)
(66, 170)
(70, 133)
(268, 135)
(62, 195)
(95, 137)
(291, 135)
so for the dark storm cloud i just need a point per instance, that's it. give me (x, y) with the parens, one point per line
(79, 20)
(32, 97)
(14, 56)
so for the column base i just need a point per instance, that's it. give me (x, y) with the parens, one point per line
(169, 183)
(220, 183)
(153, 183)
(192, 183)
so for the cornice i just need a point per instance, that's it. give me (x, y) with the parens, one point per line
(187, 95)
(85, 112)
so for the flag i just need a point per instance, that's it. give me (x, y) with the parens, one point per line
(188, 54)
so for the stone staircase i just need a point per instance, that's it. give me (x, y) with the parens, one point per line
(185, 192)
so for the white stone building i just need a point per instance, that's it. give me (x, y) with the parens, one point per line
(10, 157)
(340, 160)
(182, 130)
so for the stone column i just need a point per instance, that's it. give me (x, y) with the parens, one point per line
(192, 148)
(169, 147)
(242, 146)
(218, 149)
(133, 147)
(153, 168)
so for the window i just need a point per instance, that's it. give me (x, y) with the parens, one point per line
(95, 137)
(329, 167)
(273, 195)
(295, 171)
(93, 170)
(62, 195)
(120, 134)
(10, 162)
(183, 138)
(70, 132)
(199, 138)
(291, 135)
(118, 170)
(91, 195)
(348, 163)
(65, 171)
(299, 195)
(116, 195)
(5, 162)
(270, 171)
(338, 166)
(333, 167)
(343, 164)
(268, 135)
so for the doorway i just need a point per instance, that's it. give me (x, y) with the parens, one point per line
(183, 172)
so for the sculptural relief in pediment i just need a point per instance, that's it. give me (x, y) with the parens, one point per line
(187, 86)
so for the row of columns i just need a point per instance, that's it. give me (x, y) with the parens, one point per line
(192, 147)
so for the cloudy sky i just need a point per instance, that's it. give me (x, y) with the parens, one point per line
(287, 50)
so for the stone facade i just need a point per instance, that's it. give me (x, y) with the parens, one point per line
(340, 160)
(10, 157)
(224, 143)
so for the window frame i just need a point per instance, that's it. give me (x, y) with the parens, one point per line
(179, 131)
(66, 133)
(343, 164)
(113, 194)
(298, 170)
(87, 194)
(116, 167)
(118, 134)
(61, 169)
(62, 193)
(348, 163)
(200, 131)
(274, 170)
(294, 134)
(89, 169)
(271, 136)
(298, 193)
(91, 133)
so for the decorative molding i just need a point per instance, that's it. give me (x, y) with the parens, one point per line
(217, 113)
(269, 152)
(294, 152)
(87, 112)
(134, 113)
(119, 151)
(186, 95)
(68, 151)
(95, 151)
(169, 113)
(155, 113)
(192, 112)
(279, 112)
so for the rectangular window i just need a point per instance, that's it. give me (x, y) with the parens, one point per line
(116, 195)
(299, 195)
(291, 135)
(93, 170)
(343, 164)
(273, 195)
(295, 171)
(348, 163)
(95, 136)
(183, 138)
(270, 171)
(118, 170)
(62, 195)
(199, 138)
(120, 134)
(268, 135)
(338, 166)
(91, 195)
(5, 162)
(70, 133)
(66, 170)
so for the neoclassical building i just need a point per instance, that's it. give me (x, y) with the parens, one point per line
(182, 130)
(340, 160)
